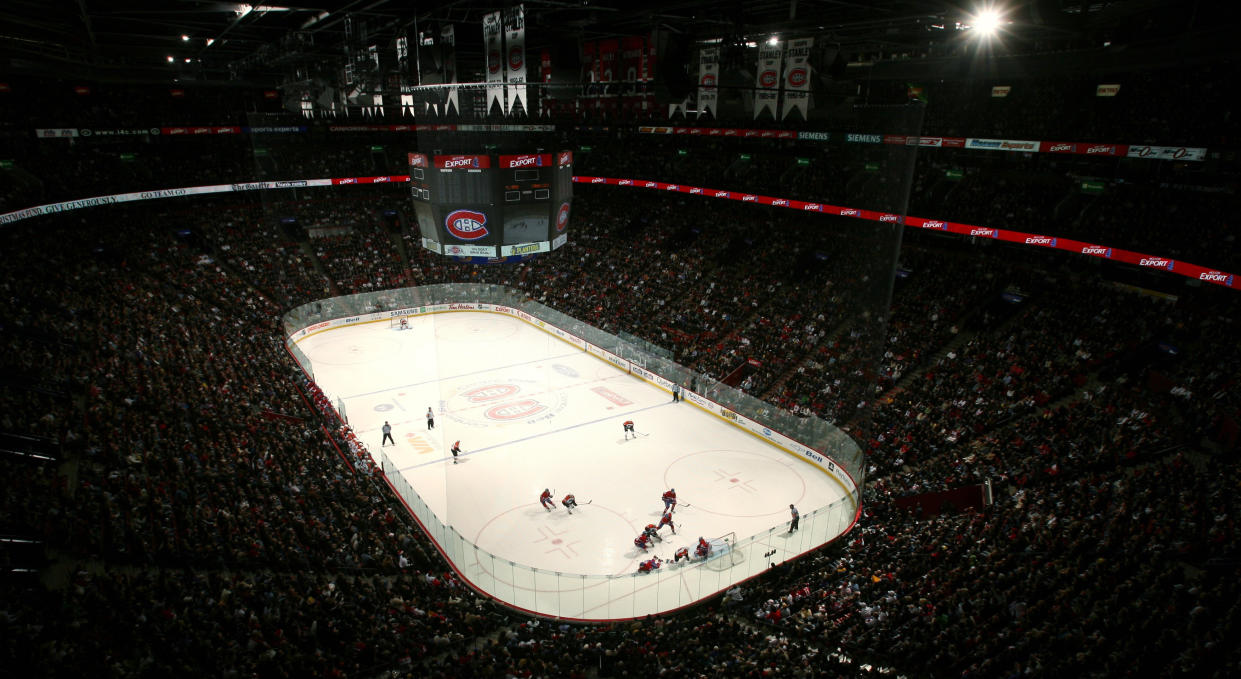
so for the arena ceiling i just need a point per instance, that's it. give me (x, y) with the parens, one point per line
(216, 40)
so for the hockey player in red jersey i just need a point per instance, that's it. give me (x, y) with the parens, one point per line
(681, 553)
(546, 500)
(569, 502)
(652, 532)
(628, 424)
(670, 500)
(666, 520)
(642, 541)
(703, 550)
(649, 565)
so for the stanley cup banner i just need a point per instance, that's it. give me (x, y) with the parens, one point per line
(448, 42)
(515, 64)
(797, 77)
(767, 79)
(708, 79)
(495, 61)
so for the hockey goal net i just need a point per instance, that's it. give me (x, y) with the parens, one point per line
(398, 322)
(724, 553)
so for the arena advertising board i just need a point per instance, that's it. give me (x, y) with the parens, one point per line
(820, 460)
(525, 248)
(1186, 269)
(487, 248)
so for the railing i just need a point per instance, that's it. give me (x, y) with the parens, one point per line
(609, 597)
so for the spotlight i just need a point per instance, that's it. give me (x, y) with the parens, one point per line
(987, 22)
(773, 40)
(185, 38)
(170, 59)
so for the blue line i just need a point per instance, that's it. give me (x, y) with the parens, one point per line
(535, 436)
(453, 377)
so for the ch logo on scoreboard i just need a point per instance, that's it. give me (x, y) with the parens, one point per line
(562, 217)
(466, 224)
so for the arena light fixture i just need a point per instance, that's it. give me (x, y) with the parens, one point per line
(773, 40)
(987, 22)
(185, 38)
(170, 59)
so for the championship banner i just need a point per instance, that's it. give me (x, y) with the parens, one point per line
(515, 38)
(767, 79)
(797, 77)
(495, 61)
(708, 80)
(448, 42)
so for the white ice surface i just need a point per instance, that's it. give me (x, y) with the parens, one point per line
(533, 412)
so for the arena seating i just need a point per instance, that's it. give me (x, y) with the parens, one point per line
(205, 514)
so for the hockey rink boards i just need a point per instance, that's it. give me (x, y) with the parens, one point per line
(532, 412)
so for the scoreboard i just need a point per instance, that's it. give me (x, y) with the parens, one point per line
(492, 207)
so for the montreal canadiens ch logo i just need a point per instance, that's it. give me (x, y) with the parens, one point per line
(708, 80)
(797, 77)
(493, 62)
(767, 79)
(562, 217)
(516, 410)
(515, 59)
(466, 224)
(490, 392)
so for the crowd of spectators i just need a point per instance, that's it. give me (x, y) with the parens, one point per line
(211, 516)
(206, 513)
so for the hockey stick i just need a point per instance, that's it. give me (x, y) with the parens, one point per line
(638, 432)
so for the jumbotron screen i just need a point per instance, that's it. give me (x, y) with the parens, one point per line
(492, 207)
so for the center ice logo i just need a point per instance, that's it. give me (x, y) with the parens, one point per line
(516, 410)
(490, 392)
(466, 224)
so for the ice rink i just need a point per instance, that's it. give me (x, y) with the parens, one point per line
(534, 412)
